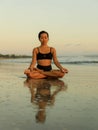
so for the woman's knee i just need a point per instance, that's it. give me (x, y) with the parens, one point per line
(61, 74)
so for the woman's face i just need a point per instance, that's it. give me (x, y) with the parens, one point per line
(44, 38)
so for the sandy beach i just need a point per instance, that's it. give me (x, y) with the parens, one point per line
(70, 103)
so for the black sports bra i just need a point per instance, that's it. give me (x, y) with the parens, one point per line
(41, 56)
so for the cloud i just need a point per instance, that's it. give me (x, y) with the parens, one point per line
(77, 44)
(68, 44)
(72, 44)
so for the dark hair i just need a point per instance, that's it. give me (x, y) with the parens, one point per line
(42, 33)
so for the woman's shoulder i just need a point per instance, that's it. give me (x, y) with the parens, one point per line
(52, 49)
(35, 49)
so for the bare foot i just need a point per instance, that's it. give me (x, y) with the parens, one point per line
(38, 70)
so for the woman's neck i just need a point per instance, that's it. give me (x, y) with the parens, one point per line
(44, 46)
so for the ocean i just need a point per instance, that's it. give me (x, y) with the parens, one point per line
(68, 103)
(77, 59)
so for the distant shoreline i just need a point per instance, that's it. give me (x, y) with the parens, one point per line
(12, 56)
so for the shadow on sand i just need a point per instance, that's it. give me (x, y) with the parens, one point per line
(43, 92)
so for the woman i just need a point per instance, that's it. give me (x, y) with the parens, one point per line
(43, 56)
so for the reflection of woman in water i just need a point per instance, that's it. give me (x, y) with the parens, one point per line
(42, 94)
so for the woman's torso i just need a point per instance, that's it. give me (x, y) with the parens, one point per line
(44, 56)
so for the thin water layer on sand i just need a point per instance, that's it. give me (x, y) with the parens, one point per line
(70, 103)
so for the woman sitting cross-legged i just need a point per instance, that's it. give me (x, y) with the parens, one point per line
(43, 56)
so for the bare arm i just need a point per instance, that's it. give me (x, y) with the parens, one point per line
(34, 53)
(56, 62)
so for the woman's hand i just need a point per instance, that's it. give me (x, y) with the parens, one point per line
(27, 71)
(64, 70)
(30, 68)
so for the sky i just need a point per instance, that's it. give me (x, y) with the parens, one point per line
(72, 25)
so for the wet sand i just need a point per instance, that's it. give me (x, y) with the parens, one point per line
(70, 103)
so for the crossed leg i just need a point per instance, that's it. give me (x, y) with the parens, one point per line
(37, 74)
(34, 74)
(54, 73)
